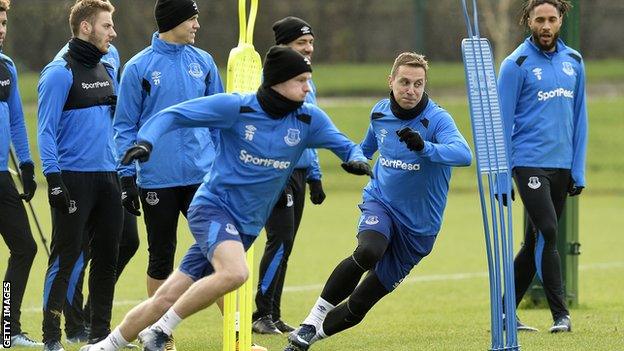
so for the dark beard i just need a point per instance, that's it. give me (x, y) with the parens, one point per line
(536, 40)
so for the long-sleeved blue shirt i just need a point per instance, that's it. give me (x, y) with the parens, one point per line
(160, 76)
(256, 153)
(309, 159)
(413, 186)
(542, 98)
(76, 139)
(12, 126)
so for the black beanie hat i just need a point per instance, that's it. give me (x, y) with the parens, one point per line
(170, 13)
(282, 63)
(290, 28)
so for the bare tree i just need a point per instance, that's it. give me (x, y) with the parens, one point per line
(497, 18)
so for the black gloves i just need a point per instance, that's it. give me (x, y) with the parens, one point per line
(140, 151)
(58, 196)
(130, 196)
(28, 181)
(411, 138)
(504, 196)
(574, 190)
(317, 195)
(357, 168)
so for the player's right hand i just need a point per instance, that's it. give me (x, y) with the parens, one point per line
(58, 196)
(357, 168)
(130, 195)
(140, 151)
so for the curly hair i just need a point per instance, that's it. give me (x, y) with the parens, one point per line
(563, 6)
(5, 5)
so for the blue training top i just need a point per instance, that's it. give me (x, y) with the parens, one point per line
(12, 126)
(542, 99)
(256, 153)
(413, 186)
(160, 76)
(78, 139)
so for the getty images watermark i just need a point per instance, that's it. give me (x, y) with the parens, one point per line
(6, 314)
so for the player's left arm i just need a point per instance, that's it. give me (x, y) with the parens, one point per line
(314, 171)
(448, 147)
(19, 137)
(579, 139)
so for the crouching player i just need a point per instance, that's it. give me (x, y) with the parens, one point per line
(402, 207)
(231, 207)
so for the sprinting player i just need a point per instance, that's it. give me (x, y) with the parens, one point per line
(231, 206)
(402, 207)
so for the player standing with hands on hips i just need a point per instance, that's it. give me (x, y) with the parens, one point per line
(542, 95)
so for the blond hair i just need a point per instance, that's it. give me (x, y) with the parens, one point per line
(409, 59)
(86, 10)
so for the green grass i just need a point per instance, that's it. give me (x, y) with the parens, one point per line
(443, 305)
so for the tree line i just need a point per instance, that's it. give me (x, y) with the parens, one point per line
(346, 31)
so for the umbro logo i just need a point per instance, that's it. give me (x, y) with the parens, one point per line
(305, 30)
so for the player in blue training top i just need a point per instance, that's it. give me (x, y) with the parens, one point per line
(283, 223)
(542, 95)
(14, 226)
(77, 320)
(169, 71)
(402, 207)
(230, 208)
(76, 103)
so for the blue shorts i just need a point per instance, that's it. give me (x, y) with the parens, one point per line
(405, 248)
(210, 226)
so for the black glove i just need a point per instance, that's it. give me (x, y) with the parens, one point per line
(357, 168)
(504, 196)
(28, 180)
(140, 151)
(574, 190)
(282, 201)
(317, 195)
(58, 196)
(130, 196)
(411, 138)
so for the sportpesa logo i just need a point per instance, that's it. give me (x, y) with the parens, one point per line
(95, 85)
(398, 164)
(545, 95)
(266, 162)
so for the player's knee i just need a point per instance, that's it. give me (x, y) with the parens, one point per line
(235, 277)
(367, 256)
(160, 268)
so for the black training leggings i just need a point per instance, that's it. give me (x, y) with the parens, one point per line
(16, 233)
(345, 277)
(77, 318)
(281, 229)
(543, 192)
(95, 219)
